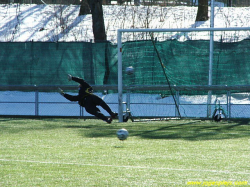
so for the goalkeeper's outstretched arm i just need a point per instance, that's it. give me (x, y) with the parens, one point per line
(79, 80)
(67, 96)
(71, 97)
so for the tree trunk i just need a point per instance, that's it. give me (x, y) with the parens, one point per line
(202, 13)
(95, 8)
(98, 26)
(97, 20)
(84, 8)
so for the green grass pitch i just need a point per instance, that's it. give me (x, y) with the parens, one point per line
(77, 152)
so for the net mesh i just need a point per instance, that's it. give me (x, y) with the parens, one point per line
(187, 63)
(185, 60)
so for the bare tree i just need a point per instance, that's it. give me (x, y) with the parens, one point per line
(96, 10)
(202, 13)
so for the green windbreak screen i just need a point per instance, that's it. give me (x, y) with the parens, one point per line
(185, 63)
(49, 63)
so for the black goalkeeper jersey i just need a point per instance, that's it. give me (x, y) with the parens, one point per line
(84, 90)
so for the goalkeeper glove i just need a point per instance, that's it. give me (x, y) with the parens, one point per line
(61, 91)
(69, 77)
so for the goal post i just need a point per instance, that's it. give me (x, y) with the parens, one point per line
(188, 40)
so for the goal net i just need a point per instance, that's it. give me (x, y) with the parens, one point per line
(181, 72)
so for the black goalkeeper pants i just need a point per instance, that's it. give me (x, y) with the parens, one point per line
(91, 102)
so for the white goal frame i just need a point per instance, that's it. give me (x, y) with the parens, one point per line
(119, 48)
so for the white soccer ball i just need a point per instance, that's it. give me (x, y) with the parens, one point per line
(122, 134)
(129, 70)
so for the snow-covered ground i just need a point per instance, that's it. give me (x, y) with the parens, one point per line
(30, 22)
(53, 104)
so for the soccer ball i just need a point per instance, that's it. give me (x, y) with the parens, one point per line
(129, 70)
(122, 134)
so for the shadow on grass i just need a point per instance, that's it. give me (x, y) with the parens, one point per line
(95, 130)
(192, 130)
(19, 125)
(200, 130)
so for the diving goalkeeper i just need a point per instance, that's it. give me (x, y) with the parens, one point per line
(88, 100)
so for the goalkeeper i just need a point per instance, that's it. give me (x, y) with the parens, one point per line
(87, 99)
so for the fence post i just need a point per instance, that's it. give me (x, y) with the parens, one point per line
(229, 104)
(81, 111)
(36, 101)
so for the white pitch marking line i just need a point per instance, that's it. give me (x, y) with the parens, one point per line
(133, 167)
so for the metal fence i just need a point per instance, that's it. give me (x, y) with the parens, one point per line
(42, 101)
(45, 101)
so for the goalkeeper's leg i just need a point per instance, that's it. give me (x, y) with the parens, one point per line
(98, 101)
(107, 108)
(96, 112)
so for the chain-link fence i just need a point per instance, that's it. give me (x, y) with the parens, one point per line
(45, 101)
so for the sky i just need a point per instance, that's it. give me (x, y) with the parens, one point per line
(52, 23)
